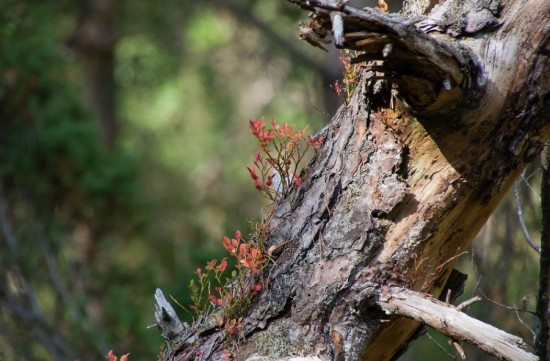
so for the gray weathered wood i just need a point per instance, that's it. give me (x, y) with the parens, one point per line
(453, 323)
(167, 319)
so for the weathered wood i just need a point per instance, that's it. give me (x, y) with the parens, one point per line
(167, 319)
(396, 193)
(431, 72)
(453, 323)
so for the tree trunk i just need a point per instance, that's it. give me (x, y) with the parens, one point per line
(410, 170)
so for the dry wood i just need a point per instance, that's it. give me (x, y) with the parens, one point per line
(396, 193)
(453, 323)
(167, 319)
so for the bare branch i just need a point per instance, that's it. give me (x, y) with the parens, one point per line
(517, 310)
(527, 179)
(518, 316)
(454, 324)
(521, 220)
(467, 303)
(511, 308)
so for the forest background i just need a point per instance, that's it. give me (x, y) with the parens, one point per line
(124, 144)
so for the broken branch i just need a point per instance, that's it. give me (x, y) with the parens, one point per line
(454, 324)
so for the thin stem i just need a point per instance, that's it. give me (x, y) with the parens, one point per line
(521, 219)
(439, 346)
(526, 180)
(512, 308)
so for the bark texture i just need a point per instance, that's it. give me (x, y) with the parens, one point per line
(410, 170)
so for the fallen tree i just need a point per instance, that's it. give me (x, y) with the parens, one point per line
(447, 111)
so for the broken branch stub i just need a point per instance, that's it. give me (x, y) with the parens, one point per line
(166, 317)
(432, 76)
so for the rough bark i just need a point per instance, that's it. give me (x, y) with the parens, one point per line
(409, 171)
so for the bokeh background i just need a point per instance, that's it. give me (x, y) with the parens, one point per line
(123, 146)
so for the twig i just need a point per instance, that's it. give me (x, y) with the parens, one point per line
(515, 309)
(521, 220)
(434, 275)
(439, 346)
(533, 334)
(459, 349)
(467, 303)
(526, 181)
(512, 308)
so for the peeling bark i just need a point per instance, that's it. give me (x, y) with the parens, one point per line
(403, 181)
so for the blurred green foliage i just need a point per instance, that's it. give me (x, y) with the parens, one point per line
(62, 194)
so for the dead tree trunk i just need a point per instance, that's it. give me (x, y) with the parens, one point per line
(450, 108)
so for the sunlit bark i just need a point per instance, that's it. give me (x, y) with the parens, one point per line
(410, 170)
